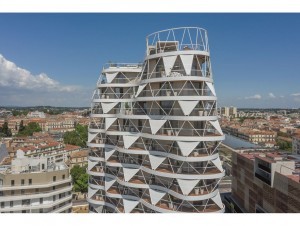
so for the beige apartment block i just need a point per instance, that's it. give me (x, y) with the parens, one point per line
(266, 182)
(31, 185)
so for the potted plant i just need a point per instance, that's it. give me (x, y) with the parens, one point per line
(103, 96)
(127, 108)
(168, 89)
(197, 191)
(201, 191)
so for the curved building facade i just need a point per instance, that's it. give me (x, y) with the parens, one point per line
(154, 131)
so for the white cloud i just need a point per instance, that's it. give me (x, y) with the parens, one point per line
(295, 94)
(271, 95)
(254, 97)
(20, 87)
(13, 76)
(281, 96)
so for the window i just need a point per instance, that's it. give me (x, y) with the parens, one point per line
(54, 198)
(54, 178)
(22, 182)
(12, 192)
(41, 200)
(36, 190)
(2, 204)
(23, 211)
(53, 188)
(63, 176)
(41, 211)
(22, 191)
(26, 202)
(12, 183)
(1, 182)
(11, 203)
(30, 181)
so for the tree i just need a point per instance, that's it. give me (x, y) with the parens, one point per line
(81, 185)
(79, 178)
(30, 129)
(76, 171)
(21, 127)
(6, 132)
(77, 137)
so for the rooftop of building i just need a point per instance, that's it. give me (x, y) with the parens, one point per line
(22, 164)
(276, 157)
(79, 154)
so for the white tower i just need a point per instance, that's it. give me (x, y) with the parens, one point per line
(154, 140)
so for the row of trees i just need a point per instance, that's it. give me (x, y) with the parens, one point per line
(77, 137)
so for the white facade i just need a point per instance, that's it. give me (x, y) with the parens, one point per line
(154, 131)
(31, 185)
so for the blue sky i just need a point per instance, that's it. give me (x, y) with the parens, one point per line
(255, 57)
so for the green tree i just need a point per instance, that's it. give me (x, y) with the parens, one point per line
(21, 127)
(81, 185)
(5, 130)
(79, 178)
(30, 129)
(77, 137)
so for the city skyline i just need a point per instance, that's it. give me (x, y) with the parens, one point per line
(253, 55)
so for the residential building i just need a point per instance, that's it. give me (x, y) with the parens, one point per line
(79, 158)
(36, 114)
(154, 130)
(32, 185)
(265, 182)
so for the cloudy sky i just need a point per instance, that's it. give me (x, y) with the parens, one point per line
(55, 59)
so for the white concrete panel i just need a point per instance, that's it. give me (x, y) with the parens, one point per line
(109, 122)
(129, 173)
(91, 136)
(155, 125)
(91, 192)
(187, 106)
(187, 147)
(129, 140)
(169, 63)
(187, 61)
(217, 163)
(129, 205)
(108, 153)
(99, 209)
(155, 161)
(108, 183)
(217, 126)
(211, 87)
(217, 200)
(155, 195)
(187, 186)
(110, 76)
(106, 107)
(91, 164)
(140, 89)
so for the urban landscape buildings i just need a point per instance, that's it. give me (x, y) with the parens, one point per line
(32, 185)
(154, 132)
(265, 182)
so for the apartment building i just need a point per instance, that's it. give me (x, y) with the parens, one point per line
(154, 130)
(32, 185)
(265, 183)
(256, 136)
(79, 158)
